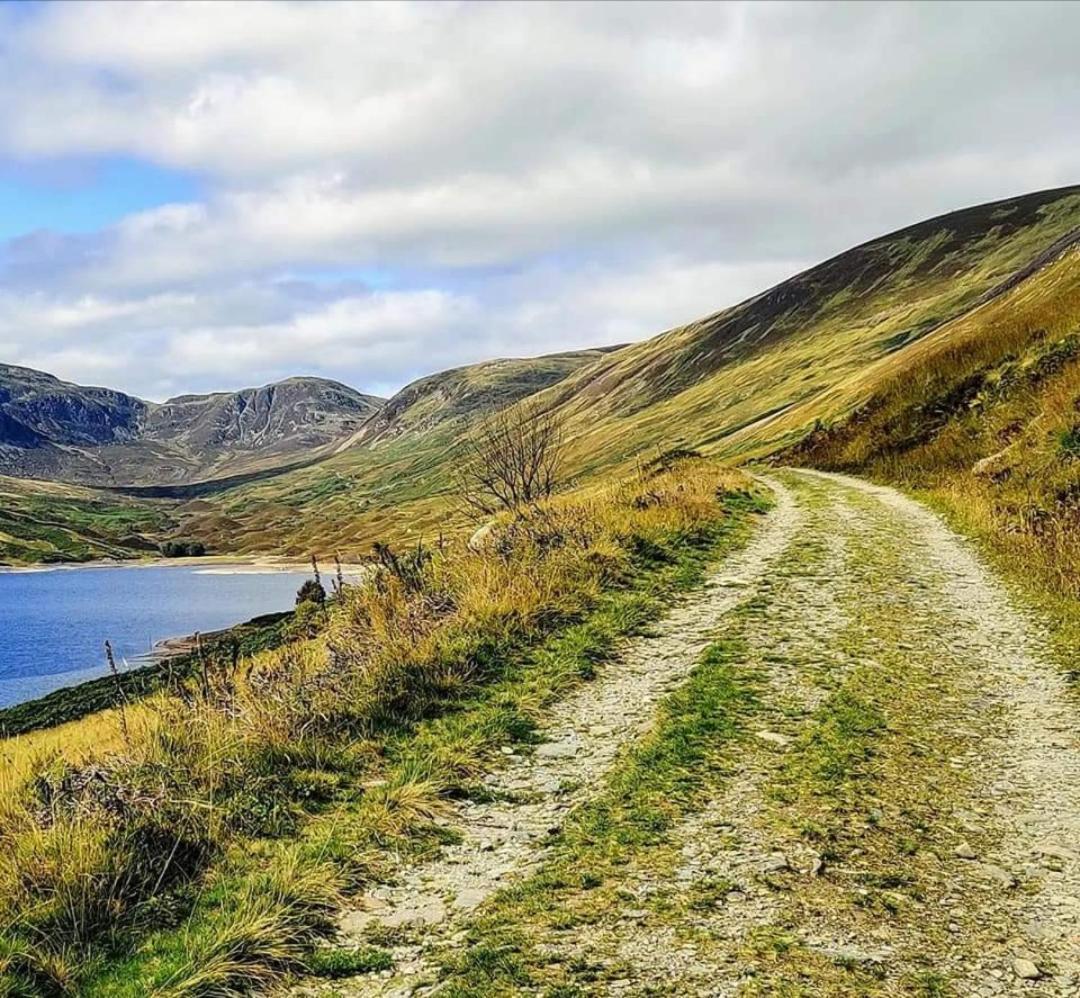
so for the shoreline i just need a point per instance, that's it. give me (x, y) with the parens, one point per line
(214, 564)
(145, 675)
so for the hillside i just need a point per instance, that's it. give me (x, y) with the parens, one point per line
(389, 480)
(742, 383)
(754, 377)
(53, 522)
(50, 429)
(984, 418)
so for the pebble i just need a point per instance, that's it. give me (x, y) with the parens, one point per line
(774, 738)
(557, 750)
(998, 874)
(469, 898)
(964, 851)
(1026, 970)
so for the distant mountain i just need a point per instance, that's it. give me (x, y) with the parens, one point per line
(986, 294)
(51, 429)
(741, 383)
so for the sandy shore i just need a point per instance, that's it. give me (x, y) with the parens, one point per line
(209, 564)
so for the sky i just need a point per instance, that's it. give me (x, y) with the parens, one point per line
(205, 196)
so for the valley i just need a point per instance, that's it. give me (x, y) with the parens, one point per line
(774, 694)
(968, 292)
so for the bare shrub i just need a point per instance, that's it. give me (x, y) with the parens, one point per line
(515, 458)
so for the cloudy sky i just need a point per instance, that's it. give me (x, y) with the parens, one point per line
(206, 196)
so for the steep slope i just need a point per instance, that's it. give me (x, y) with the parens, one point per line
(741, 383)
(985, 416)
(753, 377)
(94, 436)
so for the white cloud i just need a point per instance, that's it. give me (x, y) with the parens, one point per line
(529, 176)
(377, 338)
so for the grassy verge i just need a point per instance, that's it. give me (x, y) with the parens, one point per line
(207, 856)
(1032, 578)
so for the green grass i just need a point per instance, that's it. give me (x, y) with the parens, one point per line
(336, 963)
(44, 523)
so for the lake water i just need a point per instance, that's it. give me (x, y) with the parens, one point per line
(53, 624)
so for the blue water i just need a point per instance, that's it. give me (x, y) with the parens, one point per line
(53, 624)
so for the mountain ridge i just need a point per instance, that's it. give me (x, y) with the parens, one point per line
(741, 383)
(87, 435)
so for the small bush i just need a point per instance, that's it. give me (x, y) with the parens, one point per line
(183, 549)
(1069, 441)
(311, 591)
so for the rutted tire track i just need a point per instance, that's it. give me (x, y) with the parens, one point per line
(848, 580)
(1025, 764)
(898, 590)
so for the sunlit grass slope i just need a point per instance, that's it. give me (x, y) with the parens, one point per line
(741, 383)
(984, 416)
(753, 378)
(49, 522)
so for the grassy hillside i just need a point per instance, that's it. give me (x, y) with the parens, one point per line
(198, 844)
(390, 481)
(984, 417)
(755, 377)
(742, 383)
(47, 522)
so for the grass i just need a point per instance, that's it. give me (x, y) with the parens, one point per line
(42, 523)
(204, 855)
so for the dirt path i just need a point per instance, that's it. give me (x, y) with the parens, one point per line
(902, 815)
(503, 839)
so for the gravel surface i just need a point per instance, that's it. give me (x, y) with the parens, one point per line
(846, 579)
